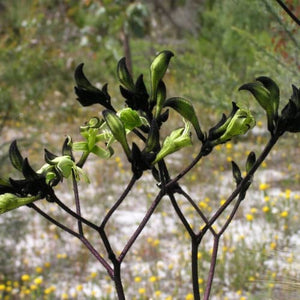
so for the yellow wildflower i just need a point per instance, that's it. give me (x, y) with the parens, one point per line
(264, 186)
(25, 277)
(249, 217)
(266, 209)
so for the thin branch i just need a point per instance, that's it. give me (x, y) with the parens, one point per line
(244, 182)
(55, 222)
(181, 216)
(74, 214)
(287, 31)
(118, 203)
(141, 225)
(289, 12)
(98, 256)
(196, 207)
(232, 214)
(185, 171)
(76, 234)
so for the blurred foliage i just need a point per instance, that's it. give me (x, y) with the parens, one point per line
(219, 45)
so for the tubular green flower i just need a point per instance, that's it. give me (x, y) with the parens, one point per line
(178, 139)
(10, 201)
(62, 166)
(117, 128)
(240, 123)
(187, 111)
(267, 94)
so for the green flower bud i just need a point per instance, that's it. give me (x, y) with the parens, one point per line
(117, 128)
(240, 123)
(64, 164)
(158, 69)
(273, 88)
(130, 118)
(236, 172)
(123, 74)
(187, 111)
(161, 97)
(178, 139)
(94, 122)
(251, 159)
(10, 201)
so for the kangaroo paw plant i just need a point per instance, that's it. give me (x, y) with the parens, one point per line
(137, 129)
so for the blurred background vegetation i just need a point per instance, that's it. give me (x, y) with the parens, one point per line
(219, 45)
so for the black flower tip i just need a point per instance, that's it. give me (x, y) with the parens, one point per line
(87, 93)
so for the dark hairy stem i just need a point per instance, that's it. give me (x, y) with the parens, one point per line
(77, 202)
(118, 203)
(212, 268)
(118, 281)
(181, 216)
(55, 222)
(141, 226)
(196, 207)
(244, 182)
(76, 234)
(235, 193)
(185, 171)
(74, 214)
(195, 273)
